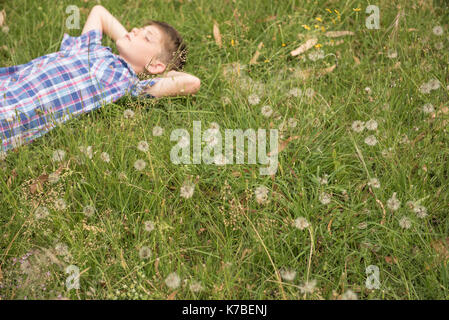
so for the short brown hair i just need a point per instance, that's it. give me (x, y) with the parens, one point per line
(174, 49)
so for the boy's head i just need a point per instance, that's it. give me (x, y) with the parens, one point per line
(154, 48)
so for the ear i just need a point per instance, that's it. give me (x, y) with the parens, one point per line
(156, 67)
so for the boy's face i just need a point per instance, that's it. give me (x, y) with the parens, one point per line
(141, 47)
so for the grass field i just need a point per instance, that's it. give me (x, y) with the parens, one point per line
(362, 178)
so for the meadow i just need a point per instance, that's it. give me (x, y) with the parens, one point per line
(357, 209)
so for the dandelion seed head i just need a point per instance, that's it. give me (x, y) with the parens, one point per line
(196, 286)
(288, 274)
(261, 194)
(358, 126)
(438, 30)
(41, 212)
(143, 146)
(371, 140)
(140, 164)
(301, 223)
(266, 111)
(253, 99)
(128, 114)
(292, 122)
(158, 131)
(149, 226)
(105, 157)
(420, 211)
(60, 204)
(393, 203)
(89, 210)
(371, 125)
(308, 286)
(173, 281)
(428, 108)
(405, 223)
(145, 253)
(325, 198)
(187, 190)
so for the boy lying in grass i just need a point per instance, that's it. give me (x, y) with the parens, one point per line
(84, 75)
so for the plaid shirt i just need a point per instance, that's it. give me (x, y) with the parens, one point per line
(81, 77)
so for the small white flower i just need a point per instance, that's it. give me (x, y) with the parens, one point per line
(128, 114)
(371, 125)
(349, 295)
(196, 286)
(145, 253)
(405, 223)
(140, 164)
(308, 286)
(368, 90)
(295, 92)
(371, 140)
(41, 212)
(374, 182)
(60, 204)
(187, 190)
(267, 111)
(325, 198)
(173, 281)
(149, 226)
(143, 146)
(288, 274)
(261, 194)
(5, 29)
(301, 223)
(89, 210)
(3, 155)
(105, 157)
(158, 131)
(292, 122)
(253, 99)
(428, 108)
(358, 126)
(438, 30)
(420, 211)
(58, 155)
(393, 203)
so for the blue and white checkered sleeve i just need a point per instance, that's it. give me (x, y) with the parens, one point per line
(139, 89)
(91, 39)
